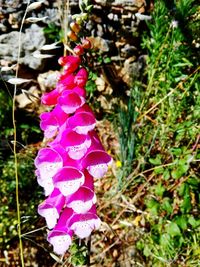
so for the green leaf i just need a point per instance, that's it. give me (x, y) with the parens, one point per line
(159, 170)
(165, 240)
(147, 251)
(167, 206)
(153, 206)
(156, 161)
(159, 189)
(180, 170)
(182, 222)
(166, 174)
(182, 189)
(186, 205)
(176, 151)
(173, 229)
(193, 222)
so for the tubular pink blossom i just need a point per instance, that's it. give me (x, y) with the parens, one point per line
(50, 209)
(70, 101)
(68, 180)
(61, 236)
(84, 224)
(81, 77)
(96, 162)
(66, 82)
(70, 63)
(47, 162)
(50, 98)
(82, 200)
(51, 121)
(82, 122)
(75, 144)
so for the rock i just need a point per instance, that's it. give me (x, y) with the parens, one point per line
(128, 50)
(31, 40)
(28, 97)
(47, 81)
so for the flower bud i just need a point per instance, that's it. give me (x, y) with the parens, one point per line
(72, 35)
(86, 43)
(79, 50)
(75, 27)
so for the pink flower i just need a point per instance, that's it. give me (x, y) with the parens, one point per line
(79, 50)
(70, 63)
(47, 162)
(68, 180)
(61, 236)
(96, 162)
(81, 77)
(82, 122)
(52, 120)
(84, 224)
(51, 208)
(50, 98)
(73, 156)
(82, 200)
(70, 101)
(66, 82)
(75, 144)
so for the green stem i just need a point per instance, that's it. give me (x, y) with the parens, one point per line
(15, 144)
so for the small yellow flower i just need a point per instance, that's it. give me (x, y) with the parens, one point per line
(118, 164)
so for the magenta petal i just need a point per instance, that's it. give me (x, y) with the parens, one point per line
(51, 207)
(70, 63)
(82, 200)
(49, 125)
(51, 121)
(75, 144)
(84, 224)
(47, 162)
(61, 236)
(50, 98)
(82, 122)
(80, 91)
(81, 77)
(47, 184)
(66, 82)
(89, 181)
(68, 180)
(70, 101)
(85, 108)
(96, 162)
(61, 240)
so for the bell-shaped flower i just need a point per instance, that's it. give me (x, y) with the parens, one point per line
(52, 120)
(80, 91)
(82, 122)
(47, 162)
(96, 162)
(66, 82)
(68, 180)
(70, 63)
(75, 144)
(61, 236)
(89, 180)
(50, 208)
(85, 108)
(70, 101)
(82, 200)
(81, 77)
(50, 98)
(84, 224)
